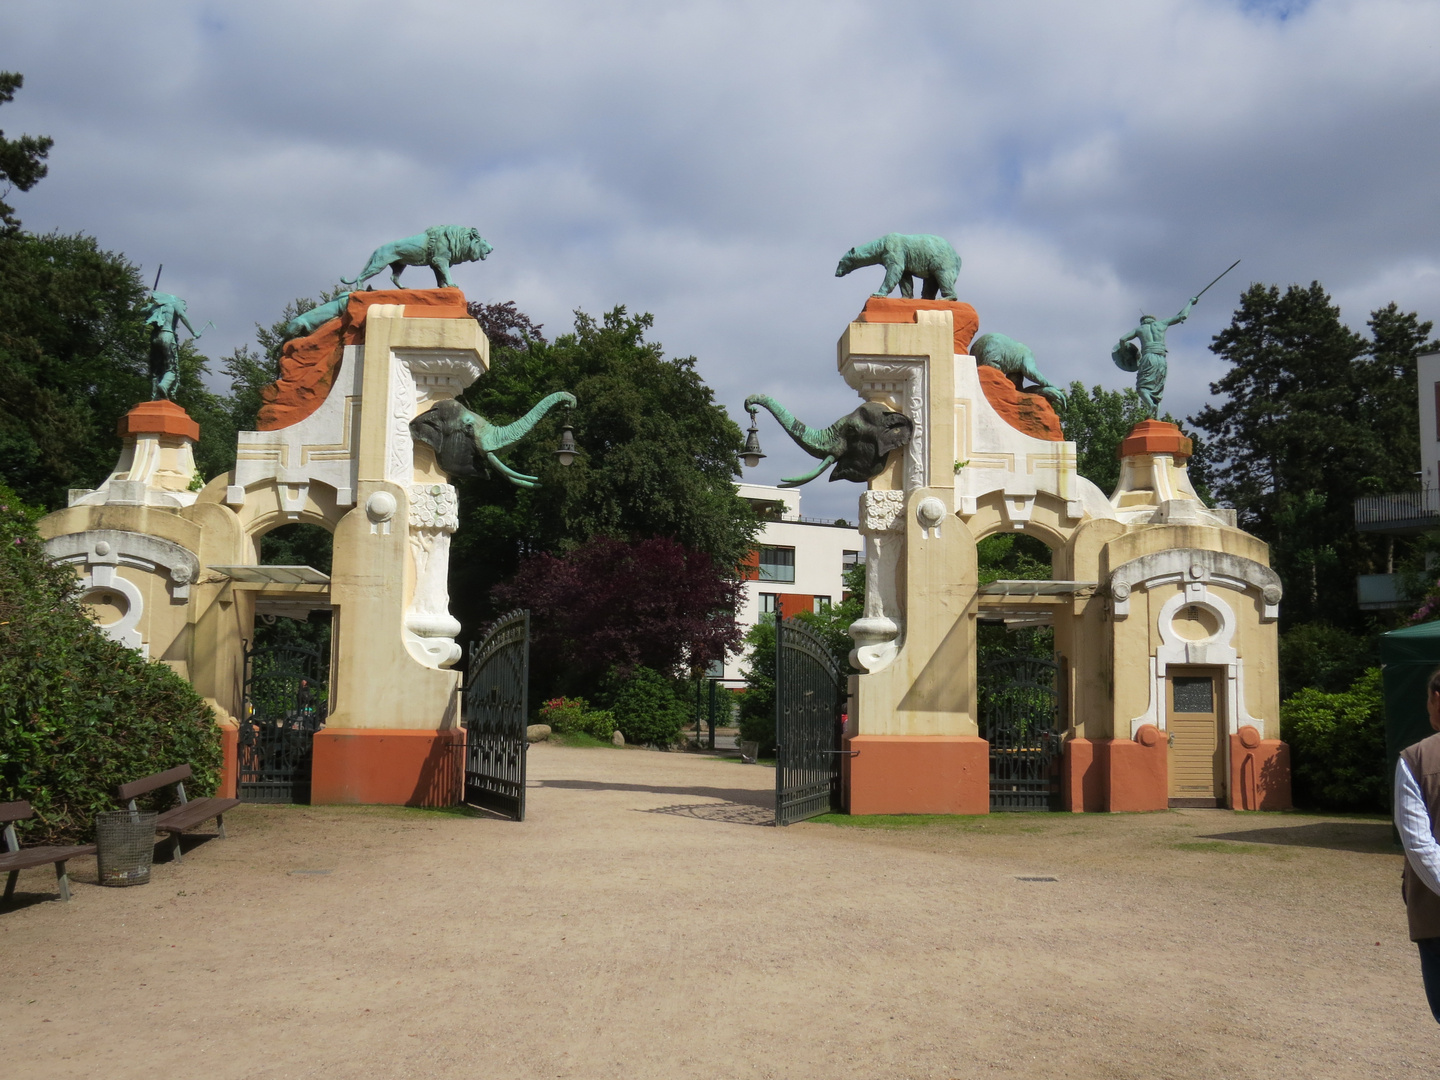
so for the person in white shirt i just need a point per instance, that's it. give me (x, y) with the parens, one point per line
(1417, 813)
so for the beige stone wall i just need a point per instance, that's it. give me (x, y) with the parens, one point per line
(1109, 663)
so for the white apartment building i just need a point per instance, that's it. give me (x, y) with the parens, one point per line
(799, 565)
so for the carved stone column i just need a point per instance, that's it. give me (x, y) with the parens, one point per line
(430, 629)
(877, 632)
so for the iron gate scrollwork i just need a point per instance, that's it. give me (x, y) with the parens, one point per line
(1020, 721)
(496, 714)
(285, 704)
(810, 693)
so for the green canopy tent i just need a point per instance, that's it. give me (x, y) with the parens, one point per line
(1408, 656)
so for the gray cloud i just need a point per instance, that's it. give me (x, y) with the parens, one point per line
(709, 162)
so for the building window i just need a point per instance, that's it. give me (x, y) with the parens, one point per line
(777, 564)
(852, 558)
(822, 604)
(769, 606)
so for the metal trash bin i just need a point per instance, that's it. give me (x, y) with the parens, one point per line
(125, 845)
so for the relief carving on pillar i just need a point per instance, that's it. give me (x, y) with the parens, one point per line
(430, 629)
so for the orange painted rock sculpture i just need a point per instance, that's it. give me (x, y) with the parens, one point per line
(308, 365)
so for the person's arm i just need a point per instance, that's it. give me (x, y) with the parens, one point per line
(1412, 820)
(1184, 313)
(1132, 334)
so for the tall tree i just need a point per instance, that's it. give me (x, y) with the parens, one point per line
(73, 359)
(1313, 415)
(657, 458)
(616, 604)
(22, 160)
(1097, 420)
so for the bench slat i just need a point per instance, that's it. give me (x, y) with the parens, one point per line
(15, 811)
(181, 818)
(26, 858)
(147, 784)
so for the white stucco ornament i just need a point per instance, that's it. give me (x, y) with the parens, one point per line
(434, 506)
(930, 513)
(381, 506)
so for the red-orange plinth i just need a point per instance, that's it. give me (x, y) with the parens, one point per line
(1156, 437)
(229, 762)
(1116, 774)
(917, 774)
(1084, 775)
(1139, 775)
(393, 766)
(159, 418)
(886, 309)
(1259, 772)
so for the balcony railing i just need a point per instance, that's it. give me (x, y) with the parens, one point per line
(1379, 592)
(1398, 512)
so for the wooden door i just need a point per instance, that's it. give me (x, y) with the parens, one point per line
(1197, 753)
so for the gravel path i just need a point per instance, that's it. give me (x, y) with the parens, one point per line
(647, 922)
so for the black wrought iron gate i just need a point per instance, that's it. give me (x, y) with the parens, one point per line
(284, 705)
(1020, 721)
(810, 692)
(496, 711)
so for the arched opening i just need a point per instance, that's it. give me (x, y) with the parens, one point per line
(287, 664)
(1019, 677)
(1011, 624)
(295, 620)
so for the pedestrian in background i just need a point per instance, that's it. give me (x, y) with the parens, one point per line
(1417, 812)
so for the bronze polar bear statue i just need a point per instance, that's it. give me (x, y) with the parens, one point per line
(439, 247)
(930, 258)
(1018, 362)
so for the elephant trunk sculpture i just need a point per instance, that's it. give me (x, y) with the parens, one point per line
(857, 444)
(461, 438)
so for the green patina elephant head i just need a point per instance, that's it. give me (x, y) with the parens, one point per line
(461, 439)
(857, 444)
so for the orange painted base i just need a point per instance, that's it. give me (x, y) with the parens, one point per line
(1259, 772)
(1115, 774)
(896, 309)
(159, 418)
(229, 764)
(1084, 775)
(1156, 437)
(1139, 776)
(917, 774)
(396, 767)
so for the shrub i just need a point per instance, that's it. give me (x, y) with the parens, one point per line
(757, 706)
(574, 716)
(646, 709)
(1337, 745)
(79, 713)
(1322, 657)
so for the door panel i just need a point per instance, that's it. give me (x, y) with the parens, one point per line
(1197, 753)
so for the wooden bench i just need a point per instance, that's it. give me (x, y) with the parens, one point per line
(184, 817)
(14, 859)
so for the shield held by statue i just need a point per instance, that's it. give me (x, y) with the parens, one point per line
(1126, 356)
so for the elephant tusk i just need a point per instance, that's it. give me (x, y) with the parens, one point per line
(519, 479)
(796, 481)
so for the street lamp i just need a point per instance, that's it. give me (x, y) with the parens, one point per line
(752, 454)
(567, 450)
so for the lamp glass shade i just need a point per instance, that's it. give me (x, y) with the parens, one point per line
(752, 454)
(567, 450)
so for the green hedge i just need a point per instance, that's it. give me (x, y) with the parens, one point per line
(575, 716)
(79, 713)
(646, 708)
(1337, 746)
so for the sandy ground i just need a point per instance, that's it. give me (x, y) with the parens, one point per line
(645, 922)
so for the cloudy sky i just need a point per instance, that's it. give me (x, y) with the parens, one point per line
(709, 162)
